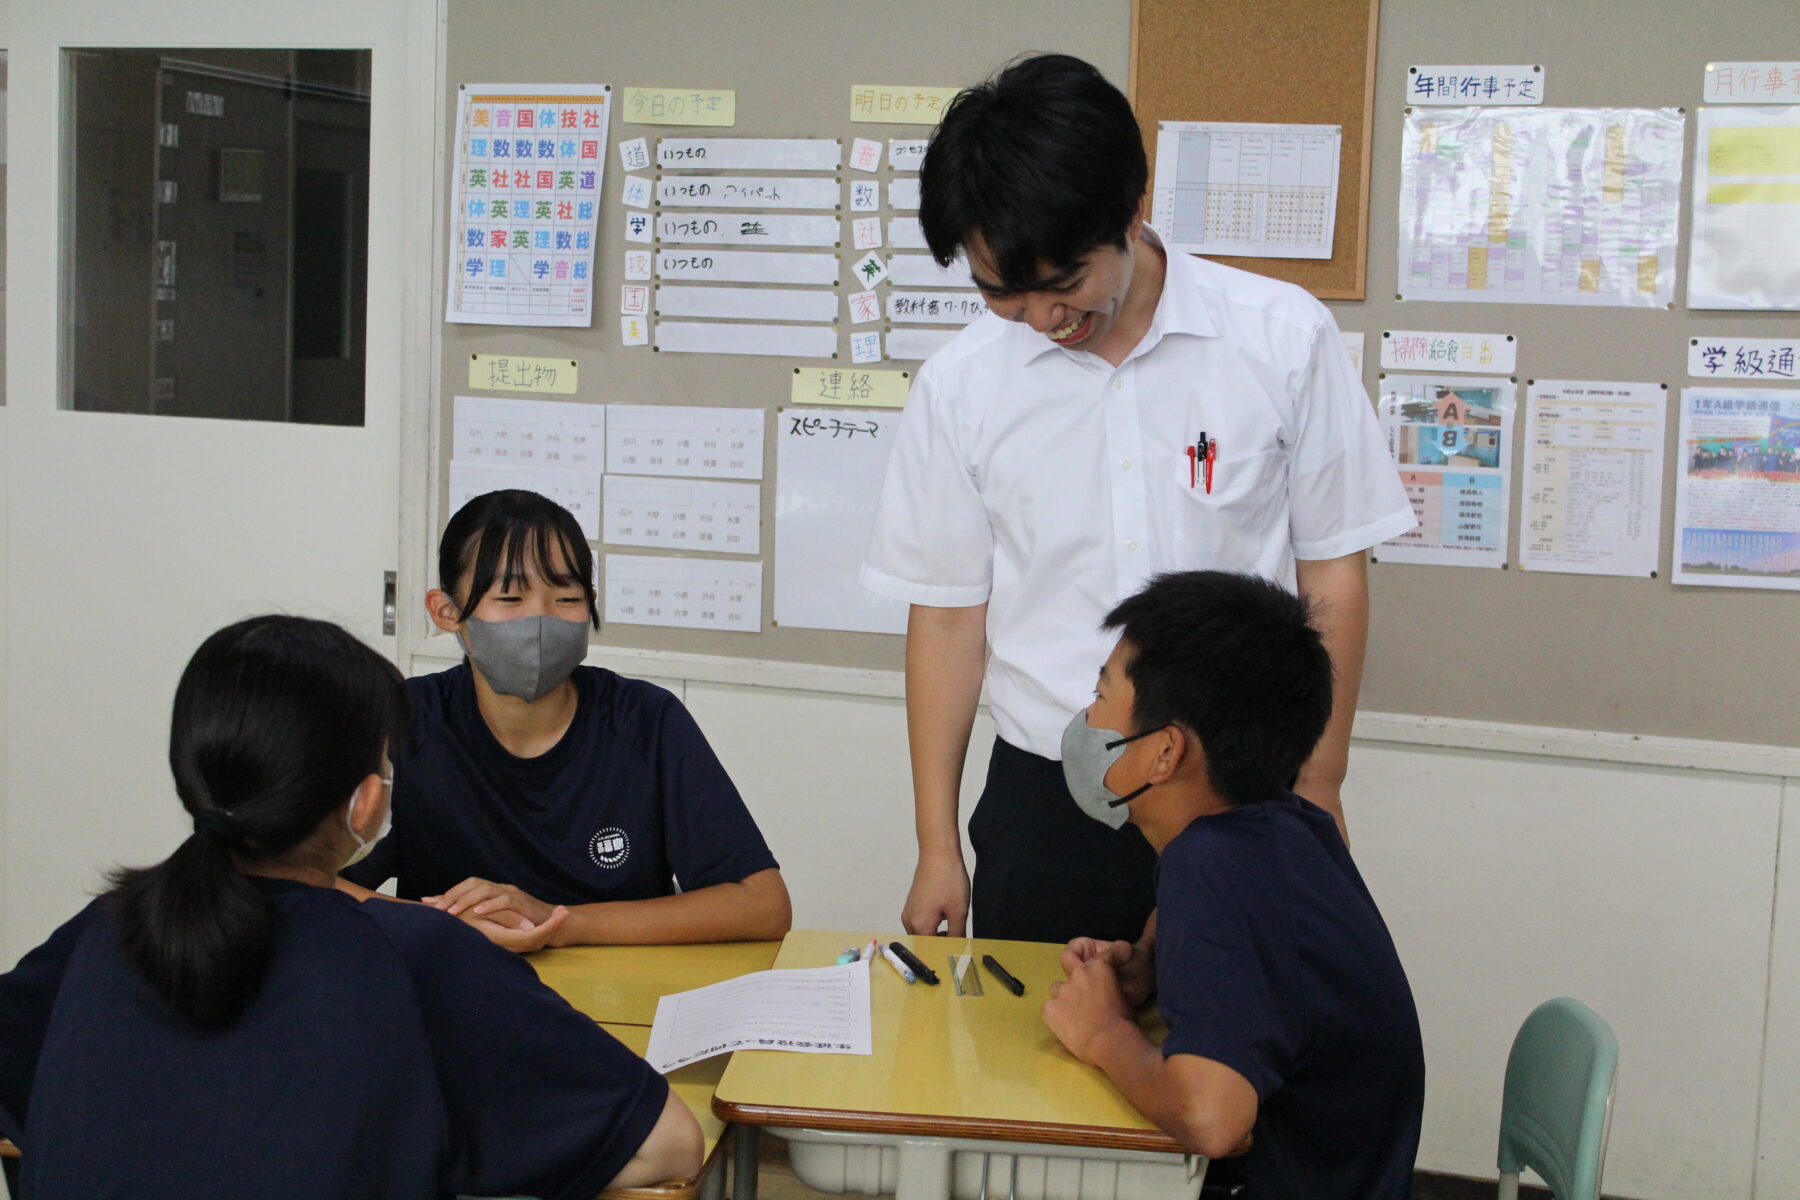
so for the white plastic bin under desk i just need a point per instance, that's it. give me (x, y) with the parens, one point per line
(870, 1163)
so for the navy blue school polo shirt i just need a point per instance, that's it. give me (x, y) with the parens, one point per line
(628, 802)
(1272, 958)
(393, 1052)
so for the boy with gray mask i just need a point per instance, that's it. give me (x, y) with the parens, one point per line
(1290, 1018)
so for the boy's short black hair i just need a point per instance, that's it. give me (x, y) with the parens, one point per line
(1044, 161)
(1236, 661)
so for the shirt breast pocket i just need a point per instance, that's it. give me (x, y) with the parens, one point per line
(1234, 525)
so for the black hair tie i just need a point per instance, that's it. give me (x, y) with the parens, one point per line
(216, 822)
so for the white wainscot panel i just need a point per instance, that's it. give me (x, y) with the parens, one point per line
(828, 781)
(1644, 892)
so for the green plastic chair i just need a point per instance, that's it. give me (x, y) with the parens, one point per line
(1557, 1108)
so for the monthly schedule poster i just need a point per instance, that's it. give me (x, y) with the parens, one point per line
(1737, 497)
(1451, 437)
(525, 199)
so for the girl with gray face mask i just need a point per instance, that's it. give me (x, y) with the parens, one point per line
(532, 782)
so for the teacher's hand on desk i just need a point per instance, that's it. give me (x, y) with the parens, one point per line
(939, 898)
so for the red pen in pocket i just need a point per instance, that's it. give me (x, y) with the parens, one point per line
(1190, 451)
(1212, 456)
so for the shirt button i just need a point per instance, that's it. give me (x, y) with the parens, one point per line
(1118, 385)
(1132, 544)
(1126, 465)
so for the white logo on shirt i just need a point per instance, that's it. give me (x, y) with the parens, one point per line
(610, 847)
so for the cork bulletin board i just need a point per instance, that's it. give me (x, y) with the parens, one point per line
(1309, 62)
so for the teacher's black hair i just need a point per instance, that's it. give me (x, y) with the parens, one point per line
(1044, 161)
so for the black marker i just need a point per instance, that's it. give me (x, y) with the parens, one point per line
(999, 972)
(925, 973)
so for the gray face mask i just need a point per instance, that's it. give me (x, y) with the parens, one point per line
(1087, 754)
(528, 657)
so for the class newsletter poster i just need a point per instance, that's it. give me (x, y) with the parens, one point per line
(1451, 437)
(1737, 496)
(525, 201)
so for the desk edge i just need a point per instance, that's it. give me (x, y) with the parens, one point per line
(1099, 1137)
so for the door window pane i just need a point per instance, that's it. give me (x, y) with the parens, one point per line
(218, 233)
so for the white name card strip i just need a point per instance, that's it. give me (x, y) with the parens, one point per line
(906, 154)
(755, 304)
(691, 442)
(922, 271)
(577, 491)
(688, 514)
(1475, 85)
(905, 233)
(829, 465)
(747, 229)
(783, 341)
(747, 191)
(684, 593)
(1744, 358)
(747, 266)
(903, 195)
(749, 154)
(1751, 83)
(1428, 350)
(916, 343)
(547, 433)
(809, 1010)
(935, 308)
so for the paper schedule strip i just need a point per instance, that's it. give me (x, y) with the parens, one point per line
(577, 491)
(749, 154)
(499, 431)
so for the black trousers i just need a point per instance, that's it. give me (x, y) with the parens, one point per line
(1044, 870)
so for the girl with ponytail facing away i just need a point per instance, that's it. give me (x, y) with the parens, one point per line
(229, 1023)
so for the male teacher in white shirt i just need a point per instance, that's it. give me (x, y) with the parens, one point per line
(1122, 411)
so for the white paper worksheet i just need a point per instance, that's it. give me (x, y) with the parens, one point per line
(502, 431)
(684, 593)
(577, 491)
(668, 439)
(1268, 191)
(1593, 477)
(682, 514)
(809, 1010)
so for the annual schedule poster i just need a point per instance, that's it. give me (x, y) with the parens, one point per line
(525, 199)
(1541, 205)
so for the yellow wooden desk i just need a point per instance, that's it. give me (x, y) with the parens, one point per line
(954, 1081)
(620, 985)
(694, 1084)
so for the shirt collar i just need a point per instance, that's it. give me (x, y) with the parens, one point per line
(1178, 310)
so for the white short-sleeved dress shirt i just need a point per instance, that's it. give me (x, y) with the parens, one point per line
(1050, 485)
